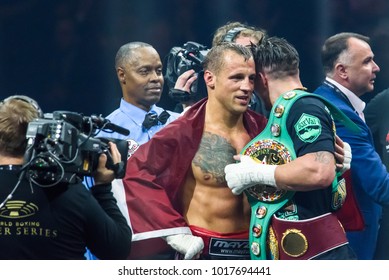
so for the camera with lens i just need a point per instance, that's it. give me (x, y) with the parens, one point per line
(181, 59)
(62, 147)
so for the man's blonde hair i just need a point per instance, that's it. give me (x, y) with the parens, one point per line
(15, 114)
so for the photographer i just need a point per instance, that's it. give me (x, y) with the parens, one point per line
(55, 222)
(183, 76)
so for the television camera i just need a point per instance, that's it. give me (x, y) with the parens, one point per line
(62, 147)
(180, 59)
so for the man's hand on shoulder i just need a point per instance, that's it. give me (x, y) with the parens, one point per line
(343, 155)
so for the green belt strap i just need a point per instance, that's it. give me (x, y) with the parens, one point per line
(258, 244)
(276, 130)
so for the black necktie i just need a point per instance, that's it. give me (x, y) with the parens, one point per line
(152, 119)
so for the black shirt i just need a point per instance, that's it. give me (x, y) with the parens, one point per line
(59, 222)
(305, 205)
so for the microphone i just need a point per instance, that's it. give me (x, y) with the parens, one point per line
(107, 124)
(117, 128)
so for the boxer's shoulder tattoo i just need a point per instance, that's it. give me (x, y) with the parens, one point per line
(214, 153)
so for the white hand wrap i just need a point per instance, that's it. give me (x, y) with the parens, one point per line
(347, 158)
(247, 173)
(186, 244)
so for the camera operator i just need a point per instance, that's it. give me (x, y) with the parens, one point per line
(55, 222)
(235, 32)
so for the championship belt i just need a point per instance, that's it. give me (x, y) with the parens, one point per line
(272, 146)
(275, 147)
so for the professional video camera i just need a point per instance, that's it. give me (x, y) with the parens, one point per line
(181, 59)
(61, 147)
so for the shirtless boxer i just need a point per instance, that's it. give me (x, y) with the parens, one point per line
(175, 182)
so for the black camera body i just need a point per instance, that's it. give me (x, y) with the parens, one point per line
(180, 59)
(61, 147)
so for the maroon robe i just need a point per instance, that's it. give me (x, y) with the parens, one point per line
(156, 172)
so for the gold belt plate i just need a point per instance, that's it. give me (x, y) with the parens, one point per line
(267, 151)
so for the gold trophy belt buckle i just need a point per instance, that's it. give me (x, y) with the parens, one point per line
(272, 152)
(294, 243)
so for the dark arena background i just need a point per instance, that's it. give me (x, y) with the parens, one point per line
(62, 52)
